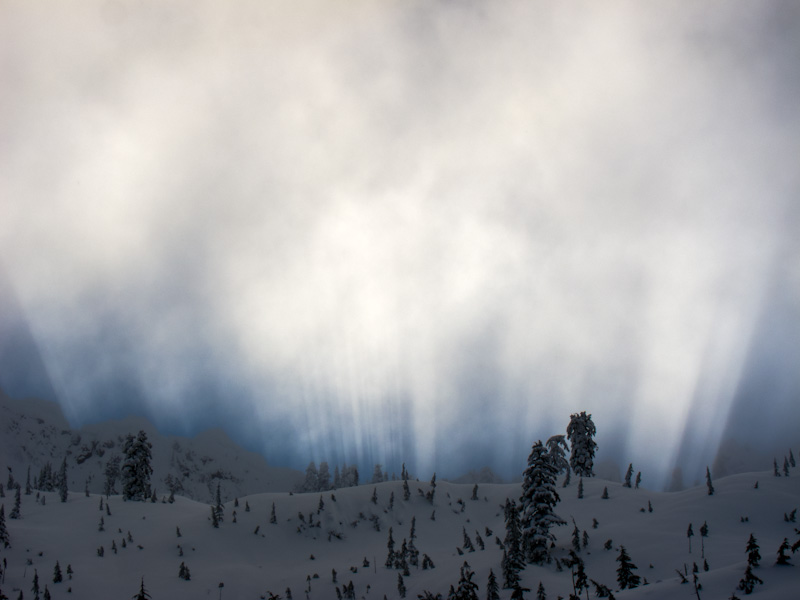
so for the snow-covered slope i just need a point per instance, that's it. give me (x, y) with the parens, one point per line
(252, 557)
(34, 432)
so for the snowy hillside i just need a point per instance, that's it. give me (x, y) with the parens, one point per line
(343, 530)
(34, 432)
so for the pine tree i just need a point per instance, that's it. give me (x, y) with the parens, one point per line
(401, 587)
(35, 587)
(605, 493)
(374, 498)
(748, 583)
(775, 471)
(136, 469)
(581, 431)
(538, 501)
(474, 492)
(540, 593)
(432, 492)
(467, 589)
(579, 579)
(708, 482)
(783, 558)
(638, 479)
(467, 542)
(580, 489)
(406, 491)
(272, 518)
(390, 555)
(791, 459)
(626, 578)
(3, 530)
(311, 483)
(628, 476)
(69, 572)
(511, 569)
(557, 448)
(62, 481)
(785, 467)
(15, 511)
(753, 554)
(689, 534)
(703, 535)
(143, 593)
(214, 518)
(324, 477)
(492, 589)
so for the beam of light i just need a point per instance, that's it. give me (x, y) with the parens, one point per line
(402, 231)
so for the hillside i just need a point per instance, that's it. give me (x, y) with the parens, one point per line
(315, 534)
(34, 432)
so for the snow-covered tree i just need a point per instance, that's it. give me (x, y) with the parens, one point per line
(628, 476)
(311, 483)
(783, 558)
(638, 479)
(626, 578)
(467, 589)
(15, 511)
(581, 431)
(492, 589)
(709, 485)
(143, 594)
(753, 554)
(390, 557)
(377, 474)
(3, 530)
(748, 583)
(136, 469)
(538, 501)
(557, 448)
(112, 473)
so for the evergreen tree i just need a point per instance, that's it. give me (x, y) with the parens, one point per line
(557, 448)
(791, 459)
(775, 471)
(143, 594)
(390, 555)
(708, 482)
(136, 469)
(626, 578)
(540, 593)
(703, 536)
(628, 476)
(748, 583)
(401, 587)
(753, 554)
(538, 501)
(785, 467)
(638, 479)
(15, 511)
(374, 498)
(69, 572)
(467, 589)
(580, 488)
(511, 569)
(337, 478)
(214, 518)
(432, 492)
(689, 534)
(474, 492)
(272, 518)
(3, 530)
(406, 491)
(492, 589)
(467, 542)
(783, 558)
(311, 483)
(579, 579)
(112, 473)
(513, 539)
(605, 493)
(581, 431)
(35, 587)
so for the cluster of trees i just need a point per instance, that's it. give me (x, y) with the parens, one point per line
(319, 480)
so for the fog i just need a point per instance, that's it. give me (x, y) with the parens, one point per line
(410, 231)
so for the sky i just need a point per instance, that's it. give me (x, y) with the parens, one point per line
(420, 231)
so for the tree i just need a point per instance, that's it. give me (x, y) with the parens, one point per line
(540, 593)
(377, 474)
(626, 578)
(492, 589)
(775, 471)
(214, 518)
(538, 501)
(3, 530)
(311, 483)
(708, 482)
(581, 431)
(390, 555)
(406, 491)
(638, 479)
(783, 558)
(703, 535)
(143, 594)
(28, 482)
(401, 586)
(580, 488)
(689, 534)
(557, 448)
(35, 587)
(272, 518)
(432, 492)
(111, 473)
(136, 469)
(62, 481)
(218, 506)
(57, 577)
(15, 511)
(785, 467)
(467, 589)
(628, 476)
(753, 554)
(791, 459)
(748, 583)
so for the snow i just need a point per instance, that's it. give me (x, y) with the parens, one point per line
(279, 556)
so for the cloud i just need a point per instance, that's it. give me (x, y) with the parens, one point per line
(400, 228)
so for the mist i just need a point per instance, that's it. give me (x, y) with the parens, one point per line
(391, 231)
